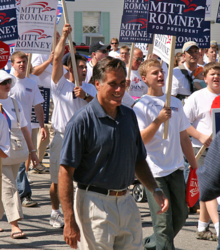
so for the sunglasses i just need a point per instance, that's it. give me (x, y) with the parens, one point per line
(5, 82)
(114, 43)
(138, 59)
(104, 51)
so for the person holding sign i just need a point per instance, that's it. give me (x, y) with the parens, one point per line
(102, 151)
(137, 87)
(182, 85)
(68, 99)
(165, 157)
(197, 110)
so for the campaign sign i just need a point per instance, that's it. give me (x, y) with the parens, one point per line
(162, 46)
(134, 30)
(4, 54)
(45, 92)
(8, 25)
(218, 14)
(59, 11)
(6, 2)
(136, 7)
(176, 17)
(208, 9)
(42, 13)
(142, 47)
(203, 39)
(34, 40)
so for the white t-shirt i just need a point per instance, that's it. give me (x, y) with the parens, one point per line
(180, 84)
(137, 86)
(163, 156)
(64, 104)
(9, 108)
(27, 93)
(165, 70)
(198, 110)
(4, 135)
(127, 99)
(115, 54)
(89, 73)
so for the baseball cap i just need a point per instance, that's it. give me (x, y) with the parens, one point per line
(98, 46)
(188, 45)
(4, 75)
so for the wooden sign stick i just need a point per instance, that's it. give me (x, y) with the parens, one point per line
(28, 65)
(71, 46)
(150, 48)
(169, 83)
(130, 61)
(1, 110)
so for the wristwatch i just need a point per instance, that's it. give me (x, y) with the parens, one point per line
(87, 95)
(157, 190)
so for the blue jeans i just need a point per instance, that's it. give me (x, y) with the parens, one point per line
(167, 225)
(22, 183)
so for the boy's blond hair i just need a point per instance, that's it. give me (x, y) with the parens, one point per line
(19, 54)
(146, 64)
(209, 66)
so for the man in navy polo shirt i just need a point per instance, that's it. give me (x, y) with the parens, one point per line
(103, 151)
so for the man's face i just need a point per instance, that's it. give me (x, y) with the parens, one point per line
(212, 54)
(99, 54)
(154, 77)
(137, 59)
(124, 55)
(110, 94)
(192, 55)
(82, 70)
(20, 65)
(114, 44)
(212, 80)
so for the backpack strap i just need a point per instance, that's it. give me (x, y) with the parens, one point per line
(16, 111)
(188, 77)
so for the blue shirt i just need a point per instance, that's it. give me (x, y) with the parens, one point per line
(102, 150)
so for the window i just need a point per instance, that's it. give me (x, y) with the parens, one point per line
(91, 22)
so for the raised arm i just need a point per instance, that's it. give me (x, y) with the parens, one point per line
(58, 54)
(39, 69)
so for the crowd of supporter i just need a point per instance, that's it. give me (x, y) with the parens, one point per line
(195, 84)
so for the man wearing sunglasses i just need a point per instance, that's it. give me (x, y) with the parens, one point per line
(115, 53)
(97, 50)
(137, 87)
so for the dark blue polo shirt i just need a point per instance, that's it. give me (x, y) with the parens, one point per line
(102, 150)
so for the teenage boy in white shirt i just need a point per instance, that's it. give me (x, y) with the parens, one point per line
(27, 93)
(115, 53)
(198, 111)
(137, 87)
(164, 156)
(67, 100)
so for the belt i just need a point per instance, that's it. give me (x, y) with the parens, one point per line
(102, 190)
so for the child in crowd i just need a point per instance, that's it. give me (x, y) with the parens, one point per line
(165, 157)
(197, 110)
(198, 81)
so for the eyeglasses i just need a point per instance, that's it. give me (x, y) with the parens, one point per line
(5, 82)
(114, 43)
(138, 59)
(104, 51)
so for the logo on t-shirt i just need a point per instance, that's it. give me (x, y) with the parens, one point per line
(136, 80)
(29, 90)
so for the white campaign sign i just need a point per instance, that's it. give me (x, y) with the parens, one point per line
(41, 13)
(208, 11)
(162, 47)
(35, 40)
(142, 47)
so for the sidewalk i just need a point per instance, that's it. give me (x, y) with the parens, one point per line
(40, 235)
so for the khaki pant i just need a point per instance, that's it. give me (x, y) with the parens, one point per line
(10, 197)
(107, 222)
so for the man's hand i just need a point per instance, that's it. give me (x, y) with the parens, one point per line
(79, 92)
(66, 30)
(34, 159)
(162, 201)
(43, 134)
(71, 234)
(164, 114)
(127, 83)
(205, 140)
(50, 59)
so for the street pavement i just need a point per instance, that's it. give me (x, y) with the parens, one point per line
(40, 235)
